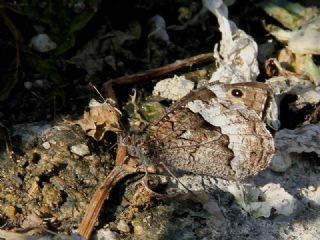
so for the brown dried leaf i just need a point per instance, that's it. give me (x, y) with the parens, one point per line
(273, 67)
(100, 118)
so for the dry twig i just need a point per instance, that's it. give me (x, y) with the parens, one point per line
(153, 73)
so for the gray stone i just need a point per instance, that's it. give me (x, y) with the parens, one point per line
(80, 150)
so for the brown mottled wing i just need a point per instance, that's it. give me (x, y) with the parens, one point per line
(214, 134)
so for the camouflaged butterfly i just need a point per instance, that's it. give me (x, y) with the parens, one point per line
(217, 130)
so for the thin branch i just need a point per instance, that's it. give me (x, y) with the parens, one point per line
(153, 73)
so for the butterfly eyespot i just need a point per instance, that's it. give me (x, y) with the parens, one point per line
(237, 93)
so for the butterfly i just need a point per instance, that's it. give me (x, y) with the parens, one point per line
(216, 130)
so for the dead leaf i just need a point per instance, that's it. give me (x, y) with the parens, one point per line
(100, 118)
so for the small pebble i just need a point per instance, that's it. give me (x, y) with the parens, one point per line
(107, 234)
(46, 145)
(42, 43)
(173, 88)
(39, 83)
(280, 162)
(27, 85)
(311, 188)
(80, 149)
(122, 226)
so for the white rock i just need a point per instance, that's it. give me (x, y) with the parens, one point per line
(106, 234)
(312, 195)
(260, 202)
(311, 188)
(276, 197)
(173, 88)
(304, 139)
(80, 149)
(122, 226)
(280, 162)
(39, 83)
(27, 85)
(42, 43)
(306, 91)
(46, 145)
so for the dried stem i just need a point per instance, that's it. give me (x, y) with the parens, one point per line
(102, 193)
(153, 73)
(121, 155)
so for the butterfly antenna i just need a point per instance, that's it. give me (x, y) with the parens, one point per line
(94, 87)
